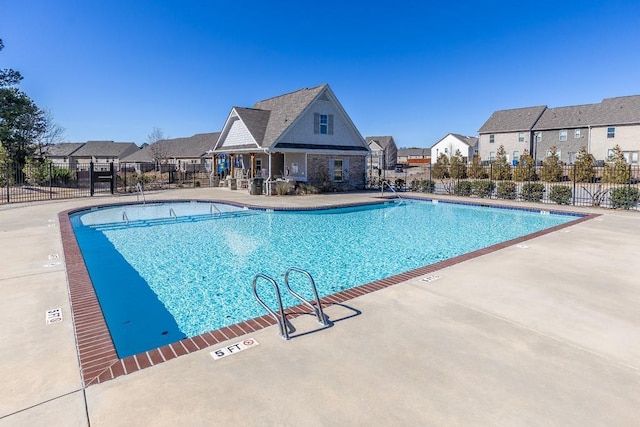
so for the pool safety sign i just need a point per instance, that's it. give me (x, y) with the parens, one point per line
(53, 316)
(233, 348)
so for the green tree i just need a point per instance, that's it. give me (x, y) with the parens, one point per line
(616, 169)
(551, 166)
(525, 170)
(441, 168)
(457, 168)
(476, 170)
(24, 128)
(584, 169)
(500, 168)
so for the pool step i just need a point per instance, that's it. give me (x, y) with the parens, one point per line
(172, 219)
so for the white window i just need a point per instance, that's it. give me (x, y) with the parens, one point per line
(563, 135)
(516, 156)
(492, 139)
(576, 133)
(339, 170)
(572, 157)
(323, 124)
(538, 136)
(521, 137)
(492, 155)
(611, 132)
(631, 157)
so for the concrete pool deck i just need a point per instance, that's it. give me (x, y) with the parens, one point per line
(547, 334)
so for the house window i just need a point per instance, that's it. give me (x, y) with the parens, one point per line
(611, 132)
(538, 136)
(576, 134)
(521, 137)
(563, 135)
(492, 155)
(516, 156)
(492, 139)
(631, 157)
(572, 157)
(446, 150)
(323, 124)
(338, 174)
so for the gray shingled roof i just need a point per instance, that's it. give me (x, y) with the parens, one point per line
(106, 149)
(519, 119)
(63, 149)
(406, 152)
(619, 111)
(568, 117)
(193, 146)
(383, 141)
(285, 109)
(255, 120)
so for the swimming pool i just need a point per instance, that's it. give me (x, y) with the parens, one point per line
(166, 271)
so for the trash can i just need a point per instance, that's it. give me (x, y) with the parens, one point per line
(256, 187)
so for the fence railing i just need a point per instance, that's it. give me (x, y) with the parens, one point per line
(610, 186)
(49, 181)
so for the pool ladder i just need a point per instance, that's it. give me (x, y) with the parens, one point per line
(280, 317)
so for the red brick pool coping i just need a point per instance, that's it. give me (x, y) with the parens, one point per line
(99, 361)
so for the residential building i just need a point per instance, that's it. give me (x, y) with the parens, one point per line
(302, 136)
(598, 127)
(452, 143)
(176, 154)
(510, 128)
(414, 156)
(384, 152)
(101, 153)
(61, 154)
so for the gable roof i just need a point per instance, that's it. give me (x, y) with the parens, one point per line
(106, 149)
(518, 119)
(63, 149)
(471, 141)
(619, 111)
(189, 147)
(284, 110)
(382, 141)
(255, 120)
(568, 117)
(406, 152)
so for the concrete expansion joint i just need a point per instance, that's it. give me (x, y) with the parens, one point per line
(41, 403)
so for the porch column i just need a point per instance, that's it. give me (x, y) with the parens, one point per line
(253, 165)
(232, 170)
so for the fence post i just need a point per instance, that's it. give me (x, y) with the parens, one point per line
(91, 178)
(194, 175)
(6, 177)
(573, 202)
(112, 169)
(125, 178)
(629, 188)
(50, 181)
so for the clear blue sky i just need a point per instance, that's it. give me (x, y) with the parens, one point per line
(114, 70)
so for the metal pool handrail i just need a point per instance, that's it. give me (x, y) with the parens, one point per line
(140, 192)
(282, 320)
(317, 308)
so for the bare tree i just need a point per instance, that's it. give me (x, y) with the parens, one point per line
(52, 133)
(158, 148)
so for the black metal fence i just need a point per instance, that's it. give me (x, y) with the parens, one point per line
(609, 186)
(47, 181)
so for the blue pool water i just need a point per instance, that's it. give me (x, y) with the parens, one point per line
(163, 272)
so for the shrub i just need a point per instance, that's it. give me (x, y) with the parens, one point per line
(399, 183)
(507, 190)
(427, 186)
(552, 167)
(283, 188)
(463, 188)
(525, 170)
(476, 170)
(457, 168)
(500, 168)
(624, 197)
(584, 167)
(616, 170)
(304, 188)
(532, 192)
(561, 194)
(196, 184)
(483, 188)
(441, 169)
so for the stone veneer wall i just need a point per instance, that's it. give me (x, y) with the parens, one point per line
(318, 172)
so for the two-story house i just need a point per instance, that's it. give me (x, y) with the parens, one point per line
(303, 136)
(452, 143)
